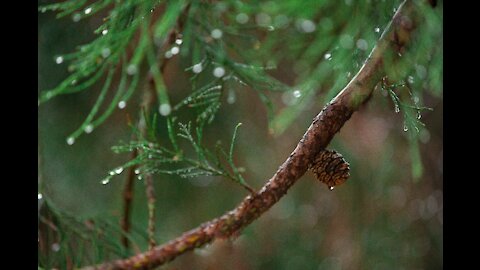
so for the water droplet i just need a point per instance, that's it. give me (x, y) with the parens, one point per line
(165, 109)
(122, 104)
(346, 41)
(419, 115)
(132, 69)
(397, 109)
(137, 171)
(297, 93)
(306, 26)
(270, 28)
(40, 196)
(219, 72)
(111, 173)
(74, 81)
(106, 52)
(377, 29)
(175, 50)
(119, 170)
(88, 10)
(410, 79)
(139, 177)
(104, 32)
(331, 188)
(105, 181)
(421, 71)
(179, 41)
(55, 247)
(216, 33)
(362, 44)
(76, 17)
(70, 140)
(242, 18)
(328, 56)
(197, 68)
(231, 97)
(405, 128)
(168, 54)
(59, 59)
(88, 129)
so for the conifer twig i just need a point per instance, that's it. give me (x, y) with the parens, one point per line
(147, 101)
(323, 128)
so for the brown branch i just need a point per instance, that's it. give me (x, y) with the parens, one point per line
(324, 126)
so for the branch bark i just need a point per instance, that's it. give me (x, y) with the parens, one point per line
(323, 128)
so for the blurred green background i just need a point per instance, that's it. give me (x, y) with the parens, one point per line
(381, 218)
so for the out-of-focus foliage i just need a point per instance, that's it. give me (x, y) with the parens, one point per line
(271, 65)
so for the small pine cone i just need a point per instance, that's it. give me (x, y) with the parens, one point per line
(330, 167)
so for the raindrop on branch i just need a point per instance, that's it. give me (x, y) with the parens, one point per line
(219, 72)
(105, 181)
(197, 68)
(59, 59)
(88, 10)
(216, 33)
(70, 140)
(119, 170)
(165, 109)
(122, 104)
(88, 129)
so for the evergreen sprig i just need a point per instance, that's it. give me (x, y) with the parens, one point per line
(157, 159)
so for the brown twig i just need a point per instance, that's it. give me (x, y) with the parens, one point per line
(324, 126)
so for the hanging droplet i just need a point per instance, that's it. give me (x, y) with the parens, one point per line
(55, 247)
(122, 104)
(76, 17)
(88, 129)
(397, 109)
(40, 196)
(111, 173)
(137, 171)
(88, 10)
(242, 18)
(139, 177)
(410, 79)
(165, 109)
(70, 140)
(405, 128)
(216, 34)
(219, 72)
(297, 93)
(307, 26)
(119, 170)
(59, 59)
(328, 56)
(175, 50)
(377, 29)
(104, 32)
(419, 115)
(105, 181)
(179, 41)
(231, 97)
(168, 54)
(132, 69)
(106, 52)
(331, 188)
(197, 68)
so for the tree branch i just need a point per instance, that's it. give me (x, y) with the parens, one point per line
(324, 126)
